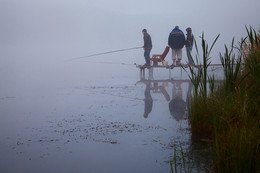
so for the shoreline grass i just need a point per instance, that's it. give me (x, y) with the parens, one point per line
(229, 113)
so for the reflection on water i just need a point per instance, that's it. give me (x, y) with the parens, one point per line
(196, 153)
(148, 100)
(84, 127)
(177, 104)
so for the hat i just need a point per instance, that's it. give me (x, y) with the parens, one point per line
(144, 30)
(176, 27)
(188, 29)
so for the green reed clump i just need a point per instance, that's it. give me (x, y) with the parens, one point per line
(237, 149)
(200, 116)
(179, 162)
(230, 113)
(231, 65)
(251, 85)
(199, 76)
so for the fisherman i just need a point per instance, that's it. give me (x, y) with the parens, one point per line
(189, 45)
(176, 41)
(147, 47)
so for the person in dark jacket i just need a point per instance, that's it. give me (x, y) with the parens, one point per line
(147, 47)
(189, 45)
(176, 41)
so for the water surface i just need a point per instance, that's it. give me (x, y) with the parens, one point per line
(77, 120)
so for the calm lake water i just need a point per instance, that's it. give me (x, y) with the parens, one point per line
(71, 118)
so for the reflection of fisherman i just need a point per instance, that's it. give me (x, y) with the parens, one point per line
(177, 106)
(148, 101)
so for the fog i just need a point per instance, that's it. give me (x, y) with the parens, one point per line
(68, 29)
(40, 39)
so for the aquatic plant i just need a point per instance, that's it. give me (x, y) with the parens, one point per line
(200, 77)
(237, 137)
(231, 66)
(230, 114)
(180, 161)
(201, 81)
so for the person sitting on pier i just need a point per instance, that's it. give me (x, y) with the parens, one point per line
(176, 41)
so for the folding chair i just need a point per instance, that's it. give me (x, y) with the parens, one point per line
(159, 58)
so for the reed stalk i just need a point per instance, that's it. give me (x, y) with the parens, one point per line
(231, 66)
(230, 114)
(179, 161)
(199, 77)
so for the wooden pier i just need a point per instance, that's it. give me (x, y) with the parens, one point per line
(142, 69)
(150, 68)
(169, 67)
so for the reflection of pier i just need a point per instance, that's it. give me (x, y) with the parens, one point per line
(176, 103)
(163, 80)
(178, 106)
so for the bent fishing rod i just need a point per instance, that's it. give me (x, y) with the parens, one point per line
(103, 53)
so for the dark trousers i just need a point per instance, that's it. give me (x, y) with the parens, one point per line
(147, 55)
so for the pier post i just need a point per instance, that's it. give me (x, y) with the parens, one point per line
(150, 77)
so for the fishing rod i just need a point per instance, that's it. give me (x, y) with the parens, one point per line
(103, 53)
(102, 62)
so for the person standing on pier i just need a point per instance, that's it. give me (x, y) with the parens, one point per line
(189, 45)
(147, 47)
(176, 41)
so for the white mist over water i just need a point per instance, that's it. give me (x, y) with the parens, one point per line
(47, 100)
(38, 37)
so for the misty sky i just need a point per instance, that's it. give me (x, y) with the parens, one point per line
(40, 84)
(37, 36)
(88, 26)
